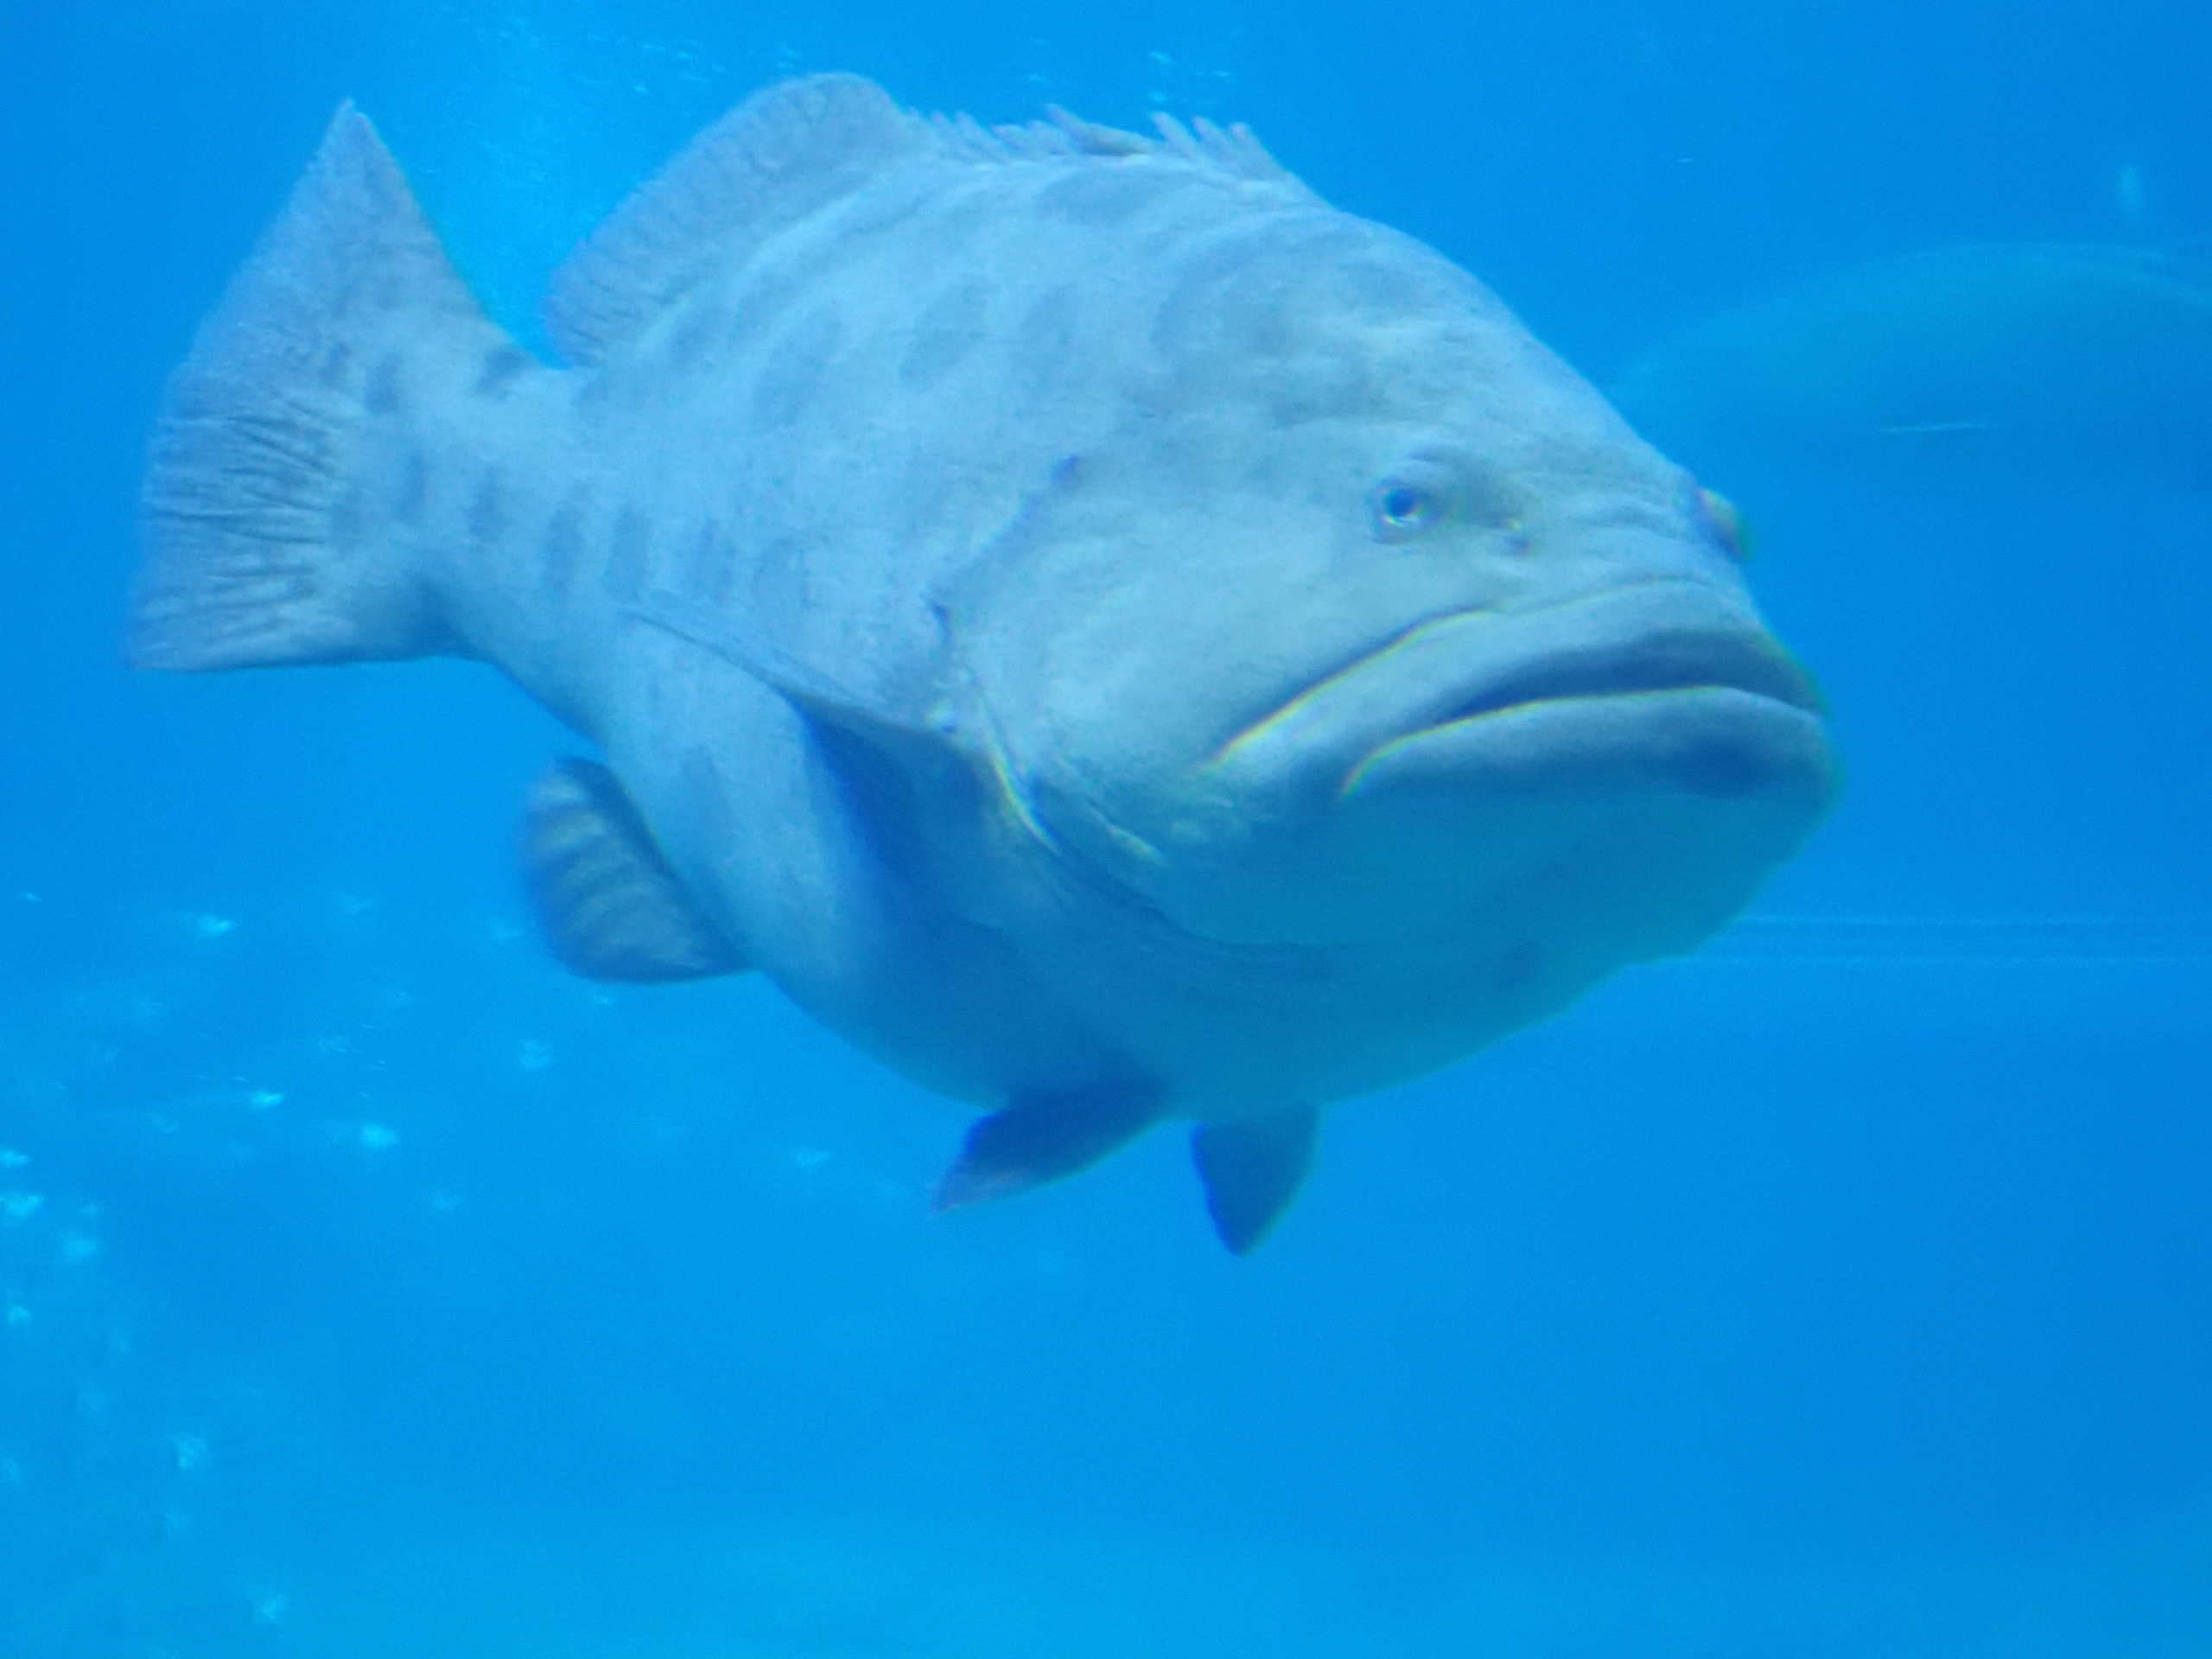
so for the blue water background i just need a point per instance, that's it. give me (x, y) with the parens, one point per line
(368, 1286)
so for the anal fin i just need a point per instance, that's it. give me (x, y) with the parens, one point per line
(1040, 1137)
(1251, 1168)
(610, 905)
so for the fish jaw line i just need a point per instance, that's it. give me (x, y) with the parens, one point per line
(1653, 638)
(1470, 738)
(1717, 742)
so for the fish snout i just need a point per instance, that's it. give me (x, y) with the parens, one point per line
(1651, 638)
(1656, 736)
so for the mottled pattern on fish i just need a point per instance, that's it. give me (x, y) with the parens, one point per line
(1115, 636)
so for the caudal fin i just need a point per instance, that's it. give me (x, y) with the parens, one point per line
(268, 492)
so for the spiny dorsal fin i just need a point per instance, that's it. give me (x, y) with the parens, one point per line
(610, 905)
(776, 157)
(792, 149)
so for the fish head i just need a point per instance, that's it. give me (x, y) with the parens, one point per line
(1374, 622)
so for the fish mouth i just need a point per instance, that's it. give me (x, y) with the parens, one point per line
(1626, 766)
(1664, 655)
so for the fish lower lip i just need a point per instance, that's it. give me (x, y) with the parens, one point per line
(1719, 743)
(1680, 661)
(1460, 670)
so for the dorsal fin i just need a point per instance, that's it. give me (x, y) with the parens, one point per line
(776, 157)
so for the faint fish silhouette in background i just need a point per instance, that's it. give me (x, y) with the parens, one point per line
(2018, 363)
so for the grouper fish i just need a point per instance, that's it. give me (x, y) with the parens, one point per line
(1116, 637)
(2006, 363)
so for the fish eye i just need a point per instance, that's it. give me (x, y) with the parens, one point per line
(1403, 508)
(1725, 522)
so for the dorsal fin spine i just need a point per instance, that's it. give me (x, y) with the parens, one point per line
(776, 158)
(792, 149)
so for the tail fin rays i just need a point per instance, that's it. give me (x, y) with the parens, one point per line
(258, 547)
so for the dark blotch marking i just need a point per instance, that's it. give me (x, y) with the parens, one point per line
(709, 569)
(1044, 343)
(385, 390)
(947, 332)
(488, 517)
(629, 561)
(564, 548)
(796, 369)
(411, 498)
(694, 332)
(501, 367)
(1256, 287)
(758, 307)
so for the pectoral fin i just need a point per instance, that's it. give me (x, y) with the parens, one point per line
(918, 748)
(610, 905)
(1040, 1137)
(1252, 1168)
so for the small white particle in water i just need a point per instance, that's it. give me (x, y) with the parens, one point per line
(809, 1159)
(377, 1138)
(263, 1099)
(533, 1056)
(30, 898)
(270, 1608)
(18, 1316)
(214, 927)
(17, 1208)
(11, 1159)
(77, 1248)
(191, 1453)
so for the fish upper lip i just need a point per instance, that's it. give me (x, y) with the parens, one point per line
(1440, 673)
(1668, 659)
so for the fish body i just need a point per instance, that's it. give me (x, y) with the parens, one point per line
(1996, 362)
(1111, 634)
